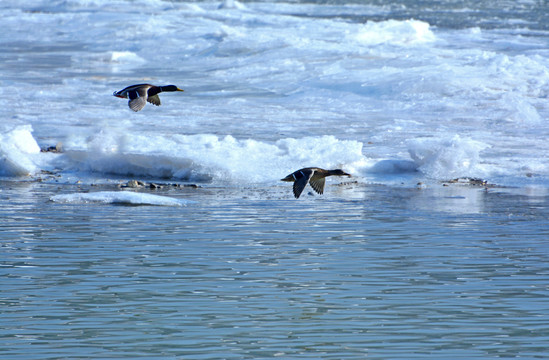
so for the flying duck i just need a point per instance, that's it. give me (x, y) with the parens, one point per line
(312, 175)
(141, 93)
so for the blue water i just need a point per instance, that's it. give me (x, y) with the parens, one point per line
(387, 274)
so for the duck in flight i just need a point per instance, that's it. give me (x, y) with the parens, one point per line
(141, 93)
(312, 175)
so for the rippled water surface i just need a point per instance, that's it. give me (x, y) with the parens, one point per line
(378, 272)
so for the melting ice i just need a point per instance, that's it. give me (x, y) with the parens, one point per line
(270, 88)
(119, 197)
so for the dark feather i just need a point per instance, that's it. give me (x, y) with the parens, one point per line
(155, 100)
(317, 183)
(301, 179)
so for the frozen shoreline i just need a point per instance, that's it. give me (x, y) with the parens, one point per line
(225, 160)
(457, 195)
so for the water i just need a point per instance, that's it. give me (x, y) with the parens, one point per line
(397, 262)
(391, 275)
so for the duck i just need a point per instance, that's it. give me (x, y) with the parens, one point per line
(141, 93)
(312, 175)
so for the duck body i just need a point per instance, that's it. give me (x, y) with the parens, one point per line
(140, 94)
(313, 176)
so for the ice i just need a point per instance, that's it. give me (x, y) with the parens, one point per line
(409, 32)
(231, 4)
(444, 158)
(207, 156)
(18, 152)
(271, 87)
(117, 61)
(119, 197)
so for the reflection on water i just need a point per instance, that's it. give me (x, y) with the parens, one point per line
(400, 273)
(453, 199)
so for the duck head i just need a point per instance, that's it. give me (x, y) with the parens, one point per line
(339, 172)
(170, 88)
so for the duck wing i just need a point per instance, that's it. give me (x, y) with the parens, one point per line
(138, 98)
(137, 104)
(317, 183)
(301, 179)
(155, 100)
